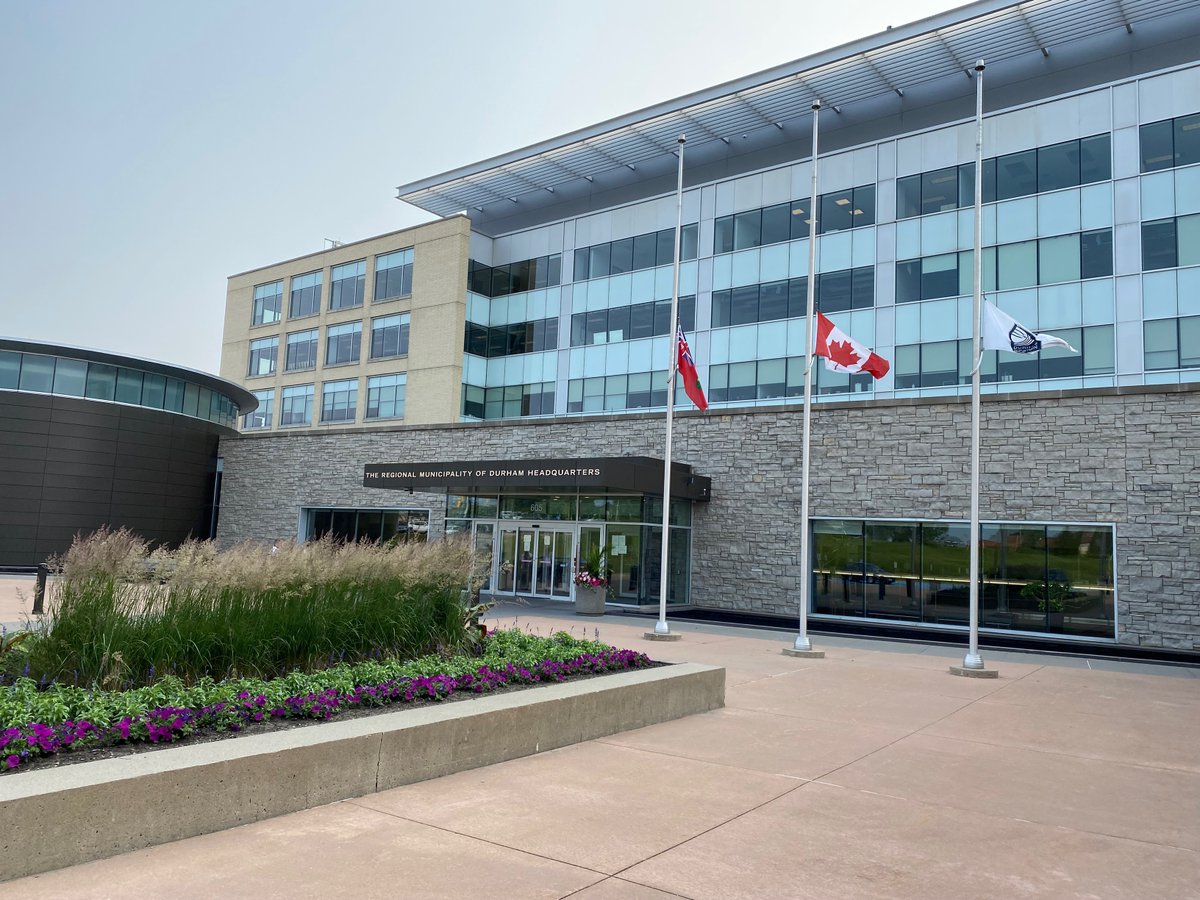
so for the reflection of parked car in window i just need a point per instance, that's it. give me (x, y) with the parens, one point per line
(867, 573)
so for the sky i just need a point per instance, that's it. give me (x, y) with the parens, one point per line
(149, 150)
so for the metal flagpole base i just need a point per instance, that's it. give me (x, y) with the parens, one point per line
(661, 632)
(972, 667)
(803, 648)
(974, 673)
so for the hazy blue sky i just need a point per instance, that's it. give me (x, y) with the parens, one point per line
(148, 150)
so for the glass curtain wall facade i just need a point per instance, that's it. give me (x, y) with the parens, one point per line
(1042, 578)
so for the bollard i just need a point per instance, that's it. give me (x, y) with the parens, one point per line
(39, 590)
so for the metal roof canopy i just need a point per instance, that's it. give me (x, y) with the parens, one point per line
(918, 64)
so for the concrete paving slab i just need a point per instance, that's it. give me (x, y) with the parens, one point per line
(596, 805)
(822, 841)
(1094, 735)
(801, 696)
(1095, 795)
(340, 850)
(1057, 731)
(763, 742)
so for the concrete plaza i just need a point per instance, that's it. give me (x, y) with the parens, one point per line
(870, 773)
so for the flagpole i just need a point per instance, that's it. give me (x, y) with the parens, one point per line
(802, 645)
(662, 631)
(972, 663)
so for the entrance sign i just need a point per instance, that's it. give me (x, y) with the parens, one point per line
(635, 474)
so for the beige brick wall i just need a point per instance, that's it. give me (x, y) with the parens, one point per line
(437, 307)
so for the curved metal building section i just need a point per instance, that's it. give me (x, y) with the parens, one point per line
(89, 438)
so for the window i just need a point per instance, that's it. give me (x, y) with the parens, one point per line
(261, 417)
(393, 275)
(301, 352)
(389, 336)
(514, 278)
(835, 292)
(129, 390)
(343, 344)
(268, 303)
(71, 374)
(306, 296)
(606, 326)
(633, 254)
(10, 369)
(1170, 143)
(840, 210)
(338, 400)
(945, 363)
(771, 379)
(263, 355)
(346, 285)
(37, 373)
(296, 408)
(1172, 343)
(1167, 243)
(353, 525)
(509, 401)
(1050, 168)
(385, 396)
(1053, 260)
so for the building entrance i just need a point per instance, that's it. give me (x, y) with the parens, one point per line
(536, 560)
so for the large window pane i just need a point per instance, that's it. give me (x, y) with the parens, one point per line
(939, 276)
(1058, 166)
(747, 230)
(1095, 159)
(908, 197)
(70, 376)
(939, 190)
(1058, 259)
(1096, 253)
(1017, 265)
(1161, 344)
(1157, 141)
(1187, 140)
(1187, 238)
(1016, 175)
(1158, 244)
(777, 223)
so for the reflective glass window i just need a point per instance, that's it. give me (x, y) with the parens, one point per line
(1096, 253)
(296, 405)
(101, 382)
(129, 389)
(598, 261)
(645, 248)
(263, 413)
(154, 390)
(393, 275)
(263, 355)
(389, 336)
(777, 223)
(1058, 166)
(1187, 237)
(1161, 344)
(747, 230)
(70, 376)
(1187, 140)
(621, 256)
(343, 344)
(1095, 159)
(908, 197)
(268, 303)
(1189, 342)
(908, 281)
(338, 400)
(1016, 265)
(1158, 245)
(37, 373)
(1157, 143)
(1016, 175)
(301, 351)
(306, 295)
(939, 190)
(801, 218)
(837, 212)
(346, 285)
(939, 276)
(10, 369)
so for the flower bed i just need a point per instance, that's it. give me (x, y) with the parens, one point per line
(38, 723)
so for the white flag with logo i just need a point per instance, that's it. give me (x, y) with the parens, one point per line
(1002, 332)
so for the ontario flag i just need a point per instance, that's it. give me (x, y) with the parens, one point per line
(687, 370)
(844, 354)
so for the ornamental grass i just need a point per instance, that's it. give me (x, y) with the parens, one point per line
(121, 615)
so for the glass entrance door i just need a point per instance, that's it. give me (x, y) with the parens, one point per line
(536, 561)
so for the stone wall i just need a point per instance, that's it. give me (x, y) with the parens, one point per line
(1126, 456)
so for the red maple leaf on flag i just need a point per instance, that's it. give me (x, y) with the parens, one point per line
(842, 353)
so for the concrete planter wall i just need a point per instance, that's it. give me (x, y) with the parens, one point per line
(589, 601)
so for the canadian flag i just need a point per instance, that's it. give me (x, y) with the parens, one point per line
(844, 354)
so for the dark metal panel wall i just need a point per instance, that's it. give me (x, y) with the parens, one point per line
(70, 465)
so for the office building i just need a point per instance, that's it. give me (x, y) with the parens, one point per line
(502, 370)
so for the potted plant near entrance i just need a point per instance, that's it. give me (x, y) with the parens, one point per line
(591, 584)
